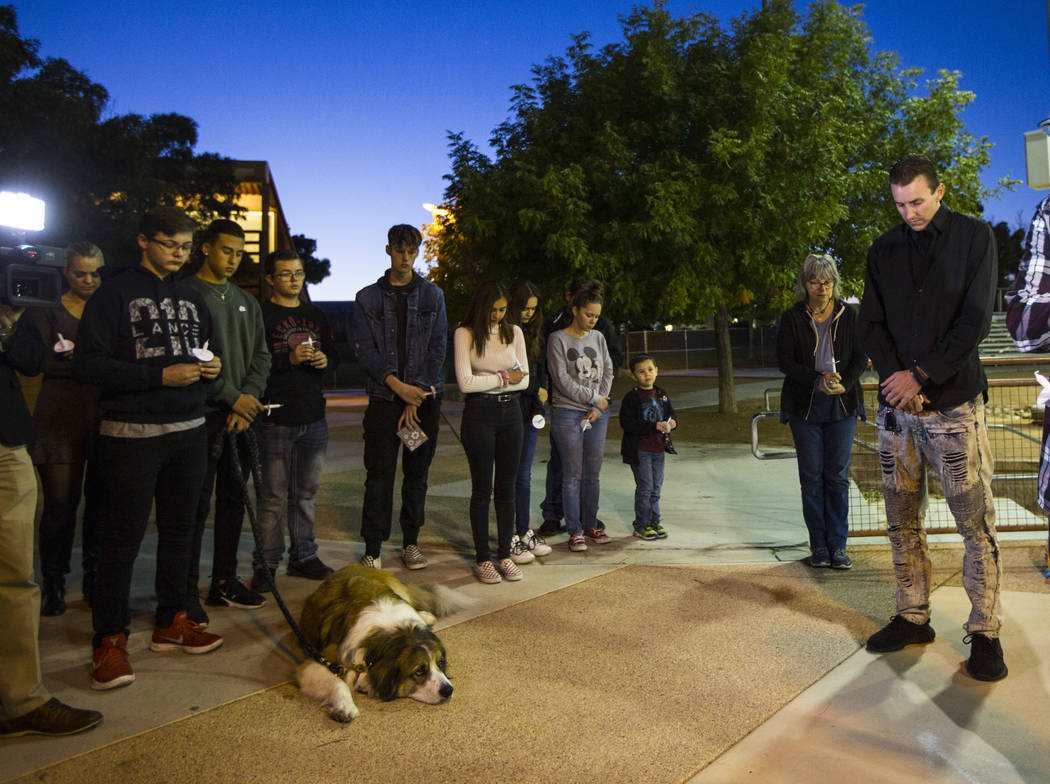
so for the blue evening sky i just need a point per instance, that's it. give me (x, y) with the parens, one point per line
(350, 101)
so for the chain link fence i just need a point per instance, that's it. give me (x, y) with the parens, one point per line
(1015, 428)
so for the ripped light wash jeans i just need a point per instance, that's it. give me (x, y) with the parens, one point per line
(955, 442)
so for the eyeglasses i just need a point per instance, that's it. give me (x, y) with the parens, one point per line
(172, 246)
(289, 275)
(824, 284)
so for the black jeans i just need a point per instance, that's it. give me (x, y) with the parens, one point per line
(381, 447)
(132, 472)
(223, 463)
(492, 434)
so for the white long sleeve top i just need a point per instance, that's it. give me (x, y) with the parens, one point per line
(480, 374)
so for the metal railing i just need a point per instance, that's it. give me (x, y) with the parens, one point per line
(1014, 430)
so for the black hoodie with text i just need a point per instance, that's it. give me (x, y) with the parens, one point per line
(133, 327)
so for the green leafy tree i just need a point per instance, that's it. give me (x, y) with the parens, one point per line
(316, 269)
(691, 167)
(97, 175)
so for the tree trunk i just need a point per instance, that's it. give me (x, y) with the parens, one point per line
(726, 388)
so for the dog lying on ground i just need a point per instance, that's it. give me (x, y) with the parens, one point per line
(378, 629)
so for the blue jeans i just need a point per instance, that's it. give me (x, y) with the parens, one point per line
(292, 461)
(823, 471)
(523, 485)
(648, 479)
(581, 461)
(955, 442)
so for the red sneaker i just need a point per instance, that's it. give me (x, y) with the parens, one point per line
(597, 535)
(184, 635)
(110, 667)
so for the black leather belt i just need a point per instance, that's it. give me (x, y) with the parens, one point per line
(503, 397)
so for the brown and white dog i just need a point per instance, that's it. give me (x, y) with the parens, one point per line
(378, 628)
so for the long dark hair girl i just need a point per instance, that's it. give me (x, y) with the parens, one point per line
(479, 316)
(521, 291)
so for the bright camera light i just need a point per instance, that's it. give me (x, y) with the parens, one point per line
(21, 211)
(668, 327)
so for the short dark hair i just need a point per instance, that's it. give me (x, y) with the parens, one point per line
(280, 255)
(165, 220)
(587, 293)
(638, 359)
(85, 250)
(404, 236)
(221, 226)
(909, 167)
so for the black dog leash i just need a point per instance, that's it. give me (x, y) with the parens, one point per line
(252, 445)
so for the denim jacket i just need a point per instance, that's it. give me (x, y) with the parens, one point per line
(375, 336)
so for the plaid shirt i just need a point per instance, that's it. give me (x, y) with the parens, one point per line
(1028, 316)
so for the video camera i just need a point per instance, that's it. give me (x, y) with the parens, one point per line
(29, 274)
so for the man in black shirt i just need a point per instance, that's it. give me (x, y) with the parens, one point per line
(927, 304)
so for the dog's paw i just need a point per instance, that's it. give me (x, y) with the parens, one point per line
(428, 618)
(344, 716)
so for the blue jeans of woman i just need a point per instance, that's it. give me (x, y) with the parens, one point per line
(648, 479)
(492, 440)
(523, 486)
(823, 451)
(581, 458)
(292, 460)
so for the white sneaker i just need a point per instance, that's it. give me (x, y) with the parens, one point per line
(510, 570)
(519, 551)
(536, 544)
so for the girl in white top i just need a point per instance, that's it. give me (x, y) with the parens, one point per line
(491, 368)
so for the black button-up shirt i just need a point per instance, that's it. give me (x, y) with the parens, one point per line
(937, 320)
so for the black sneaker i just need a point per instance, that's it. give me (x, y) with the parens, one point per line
(900, 633)
(819, 558)
(311, 569)
(986, 658)
(839, 560)
(51, 718)
(53, 596)
(233, 593)
(262, 577)
(549, 528)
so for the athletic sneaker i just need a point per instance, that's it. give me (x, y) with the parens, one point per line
(536, 544)
(551, 527)
(412, 557)
(312, 569)
(184, 635)
(486, 572)
(899, 633)
(1046, 561)
(597, 535)
(577, 543)
(520, 552)
(52, 718)
(233, 593)
(839, 560)
(986, 658)
(110, 667)
(646, 533)
(371, 561)
(661, 532)
(820, 558)
(510, 570)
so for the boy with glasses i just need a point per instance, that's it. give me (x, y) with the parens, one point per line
(137, 341)
(294, 432)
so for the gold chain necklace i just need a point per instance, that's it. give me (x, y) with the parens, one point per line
(221, 294)
(822, 311)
